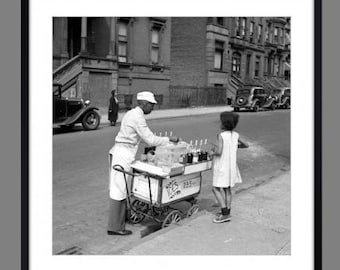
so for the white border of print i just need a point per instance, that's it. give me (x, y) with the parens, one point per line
(302, 129)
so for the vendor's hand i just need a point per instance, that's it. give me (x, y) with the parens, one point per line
(174, 139)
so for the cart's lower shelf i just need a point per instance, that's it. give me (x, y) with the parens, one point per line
(166, 190)
(151, 184)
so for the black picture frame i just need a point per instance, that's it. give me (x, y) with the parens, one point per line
(25, 239)
(25, 134)
(317, 134)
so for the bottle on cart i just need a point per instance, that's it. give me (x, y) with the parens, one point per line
(183, 158)
(199, 153)
(188, 154)
(195, 156)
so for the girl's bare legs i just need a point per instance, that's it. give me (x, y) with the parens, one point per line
(219, 194)
(228, 197)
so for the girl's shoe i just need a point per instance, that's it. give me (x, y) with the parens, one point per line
(222, 218)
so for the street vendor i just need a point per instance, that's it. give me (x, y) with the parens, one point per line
(133, 129)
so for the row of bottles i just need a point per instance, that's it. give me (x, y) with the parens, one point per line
(195, 153)
(183, 152)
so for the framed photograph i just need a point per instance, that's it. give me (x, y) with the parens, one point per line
(171, 134)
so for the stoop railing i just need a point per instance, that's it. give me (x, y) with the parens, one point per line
(186, 96)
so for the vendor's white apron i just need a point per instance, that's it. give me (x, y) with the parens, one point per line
(123, 155)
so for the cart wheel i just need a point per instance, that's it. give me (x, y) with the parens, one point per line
(256, 108)
(172, 218)
(192, 210)
(135, 217)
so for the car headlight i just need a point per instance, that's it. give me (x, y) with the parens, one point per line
(87, 102)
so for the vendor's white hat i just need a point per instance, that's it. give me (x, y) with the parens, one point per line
(146, 95)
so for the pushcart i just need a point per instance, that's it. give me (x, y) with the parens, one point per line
(152, 192)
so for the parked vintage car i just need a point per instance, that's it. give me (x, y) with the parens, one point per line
(69, 111)
(253, 98)
(282, 97)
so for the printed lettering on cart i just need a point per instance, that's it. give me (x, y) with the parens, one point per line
(173, 189)
(188, 184)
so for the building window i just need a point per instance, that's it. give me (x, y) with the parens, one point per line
(122, 41)
(251, 31)
(287, 37)
(248, 64)
(240, 27)
(276, 35)
(270, 66)
(236, 63)
(281, 36)
(265, 69)
(218, 59)
(243, 26)
(237, 27)
(267, 34)
(220, 20)
(257, 66)
(155, 33)
(259, 33)
(276, 66)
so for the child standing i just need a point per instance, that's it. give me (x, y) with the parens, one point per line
(225, 170)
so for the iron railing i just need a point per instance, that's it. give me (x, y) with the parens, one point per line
(186, 96)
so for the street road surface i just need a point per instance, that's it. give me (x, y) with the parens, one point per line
(80, 173)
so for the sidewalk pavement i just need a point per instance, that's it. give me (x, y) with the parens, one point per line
(169, 113)
(260, 225)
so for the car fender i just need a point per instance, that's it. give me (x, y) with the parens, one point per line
(285, 100)
(268, 102)
(77, 117)
(255, 101)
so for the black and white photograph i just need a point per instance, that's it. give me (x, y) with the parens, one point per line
(168, 134)
(171, 135)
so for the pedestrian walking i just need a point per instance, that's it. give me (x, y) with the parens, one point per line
(133, 129)
(225, 170)
(113, 109)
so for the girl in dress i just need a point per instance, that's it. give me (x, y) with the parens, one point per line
(225, 170)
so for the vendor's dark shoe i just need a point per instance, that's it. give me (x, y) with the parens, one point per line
(123, 232)
(222, 218)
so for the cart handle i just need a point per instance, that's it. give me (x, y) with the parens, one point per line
(120, 169)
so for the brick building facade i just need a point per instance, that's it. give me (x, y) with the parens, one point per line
(230, 52)
(93, 55)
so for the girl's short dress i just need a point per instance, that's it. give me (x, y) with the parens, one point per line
(225, 170)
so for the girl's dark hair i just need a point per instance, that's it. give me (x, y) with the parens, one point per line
(229, 120)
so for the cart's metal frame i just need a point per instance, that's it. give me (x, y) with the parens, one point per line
(138, 209)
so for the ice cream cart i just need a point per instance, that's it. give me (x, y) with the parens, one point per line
(154, 189)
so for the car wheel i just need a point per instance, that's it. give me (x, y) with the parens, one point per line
(241, 100)
(273, 106)
(90, 120)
